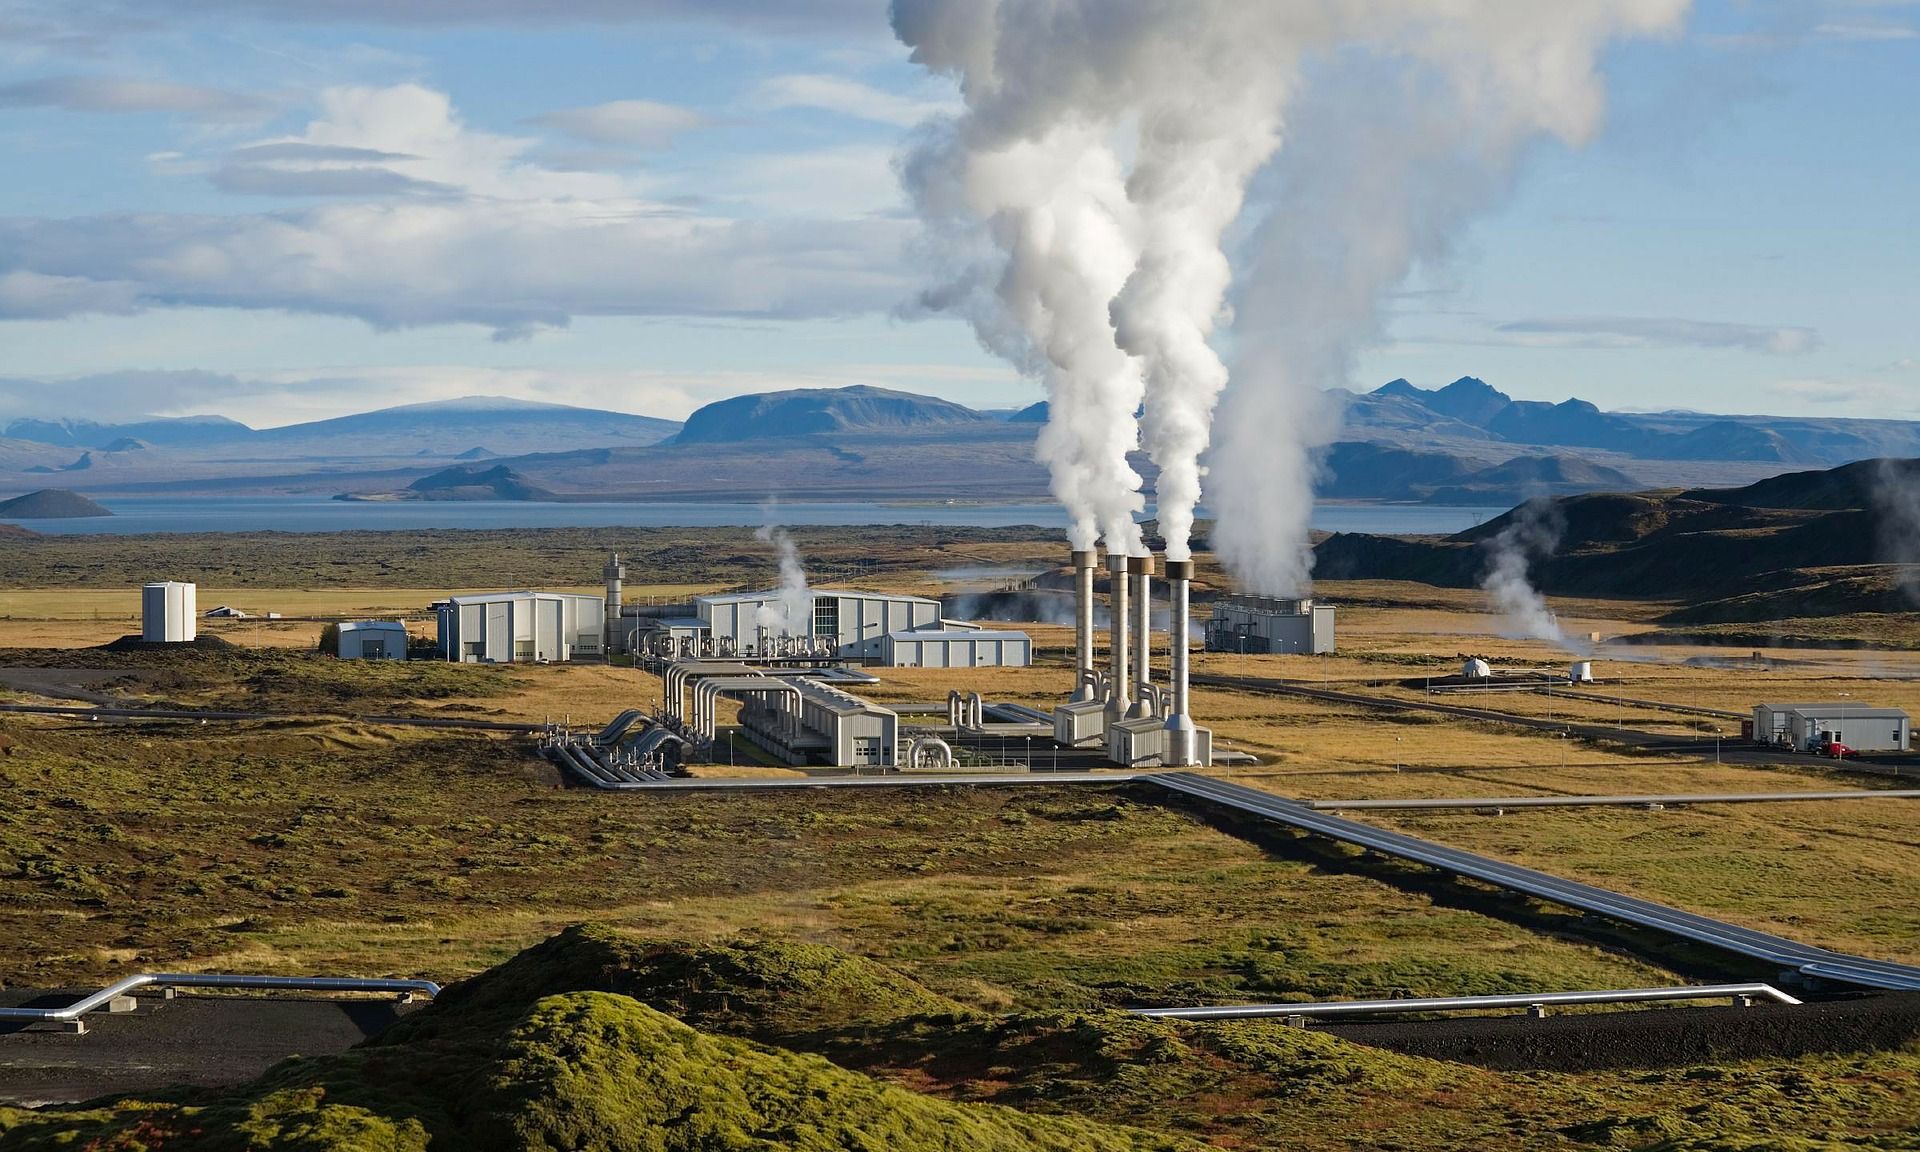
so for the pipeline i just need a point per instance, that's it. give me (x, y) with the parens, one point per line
(71, 1014)
(1741, 994)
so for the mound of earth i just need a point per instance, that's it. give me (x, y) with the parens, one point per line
(134, 643)
(50, 504)
(577, 1069)
(468, 483)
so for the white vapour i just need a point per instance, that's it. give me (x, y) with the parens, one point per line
(792, 613)
(1533, 531)
(1105, 149)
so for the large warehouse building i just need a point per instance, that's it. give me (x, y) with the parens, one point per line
(1861, 727)
(856, 622)
(1261, 624)
(951, 647)
(520, 627)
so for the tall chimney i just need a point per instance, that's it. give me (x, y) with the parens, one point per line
(1084, 561)
(1180, 733)
(616, 573)
(1140, 571)
(1118, 689)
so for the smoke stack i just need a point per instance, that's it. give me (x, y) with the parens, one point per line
(1180, 731)
(1118, 690)
(616, 574)
(1084, 561)
(1140, 571)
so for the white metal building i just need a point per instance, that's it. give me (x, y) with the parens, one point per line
(521, 627)
(857, 622)
(957, 648)
(1859, 726)
(1269, 624)
(373, 640)
(835, 728)
(167, 612)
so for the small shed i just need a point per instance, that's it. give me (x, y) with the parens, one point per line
(373, 640)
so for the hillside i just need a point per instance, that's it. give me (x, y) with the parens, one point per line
(811, 411)
(50, 504)
(1805, 544)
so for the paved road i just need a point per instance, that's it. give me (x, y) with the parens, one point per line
(202, 1040)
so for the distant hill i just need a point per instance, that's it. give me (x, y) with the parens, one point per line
(1805, 543)
(496, 483)
(50, 504)
(172, 430)
(812, 411)
(1362, 471)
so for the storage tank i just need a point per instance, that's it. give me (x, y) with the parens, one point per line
(168, 611)
(1581, 672)
(1476, 669)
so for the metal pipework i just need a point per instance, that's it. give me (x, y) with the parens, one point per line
(1739, 993)
(71, 1013)
(1083, 564)
(1179, 727)
(1140, 574)
(1119, 684)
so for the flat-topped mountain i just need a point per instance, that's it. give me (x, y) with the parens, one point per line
(50, 504)
(810, 411)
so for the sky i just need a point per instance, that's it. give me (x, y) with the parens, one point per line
(283, 210)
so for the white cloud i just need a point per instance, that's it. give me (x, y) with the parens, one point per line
(107, 94)
(36, 296)
(625, 123)
(847, 97)
(1662, 331)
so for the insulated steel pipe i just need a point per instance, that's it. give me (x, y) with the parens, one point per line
(1181, 739)
(1119, 687)
(1739, 993)
(71, 1013)
(1083, 564)
(1140, 572)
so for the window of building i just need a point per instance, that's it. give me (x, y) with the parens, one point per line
(826, 616)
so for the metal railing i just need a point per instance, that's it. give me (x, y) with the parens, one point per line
(71, 1014)
(1535, 1002)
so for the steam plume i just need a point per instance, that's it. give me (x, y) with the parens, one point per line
(1896, 499)
(1079, 202)
(791, 615)
(1534, 531)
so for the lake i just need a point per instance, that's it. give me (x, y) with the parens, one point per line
(285, 514)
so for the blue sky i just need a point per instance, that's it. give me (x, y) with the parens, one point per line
(283, 211)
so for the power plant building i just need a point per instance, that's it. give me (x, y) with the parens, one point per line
(957, 648)
(521, 627)
(373, 640)
(1266, 624)
(1861, 727)
(168, 611)
(856, 623)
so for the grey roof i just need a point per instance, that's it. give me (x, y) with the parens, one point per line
(525, 594)
(836, 701)
(1865, 711)
(775, 594)
(373, 626)
(961, 634)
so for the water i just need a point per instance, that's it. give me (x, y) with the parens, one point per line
(292, 514)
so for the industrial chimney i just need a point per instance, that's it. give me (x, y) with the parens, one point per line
(1118, 687)
(1140, 571)
(1182, 736)
(616, 574)
(1084, 561)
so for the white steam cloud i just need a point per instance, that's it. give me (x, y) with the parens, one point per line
(1533, 531)
(792, 613)
(1078, 207)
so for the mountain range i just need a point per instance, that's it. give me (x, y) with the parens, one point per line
(1465, 443)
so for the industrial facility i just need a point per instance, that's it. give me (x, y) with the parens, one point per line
(1263, 624)
(1814, 727)
(372, 640)
(520, 627)
(168, 611)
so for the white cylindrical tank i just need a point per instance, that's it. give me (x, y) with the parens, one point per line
(1581, 672)
(169, 610)
(1476, 669)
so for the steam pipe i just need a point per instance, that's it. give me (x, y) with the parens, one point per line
(1140, 574)
(1119, 683)
(1179, 727)
(1083, 562)
(105, 996)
